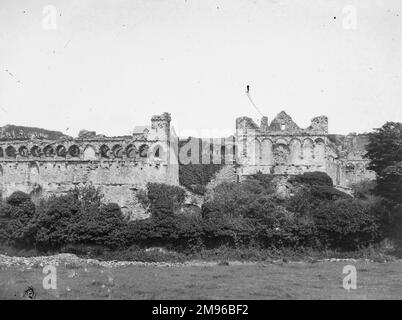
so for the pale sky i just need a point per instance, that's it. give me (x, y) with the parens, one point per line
(111, 64)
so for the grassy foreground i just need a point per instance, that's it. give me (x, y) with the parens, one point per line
(208, 280)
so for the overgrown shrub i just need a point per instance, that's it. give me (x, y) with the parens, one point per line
(249, 198)
(315, 178)
(346, 223)
(310, 190)
(178, 232)
(236, 215)
(164, 199)
(363, 189)
(79, 218)
(15, 220)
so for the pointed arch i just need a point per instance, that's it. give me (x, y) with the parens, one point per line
(158, 151)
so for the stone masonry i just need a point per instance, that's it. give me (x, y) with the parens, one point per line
(41, 162)
(283, 148)
(119, 166)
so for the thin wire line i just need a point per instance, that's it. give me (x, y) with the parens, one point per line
(251, 100)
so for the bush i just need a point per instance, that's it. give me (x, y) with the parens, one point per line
(363, 189)
(235, 216)
(315, 178)
(346, 223)
(164, 199)
(249, 198)
(169, 231)
(16, 220)
(79, 218)
(307, 197)
(266, 181)
(18, 198)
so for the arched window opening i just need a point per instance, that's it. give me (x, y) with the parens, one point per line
(48, 151)
(130, 151)
(1, 153)
(105, 151)
(23, 151)
(281, 153)
(74, 151)
(61, 151)
(117, 151)
(158, 151)
(11, 152)
(144, 149)
(35, 151)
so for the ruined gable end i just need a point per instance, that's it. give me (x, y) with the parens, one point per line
(283, 122)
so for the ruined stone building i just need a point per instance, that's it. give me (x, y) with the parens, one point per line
(41, 162)
(282, 147)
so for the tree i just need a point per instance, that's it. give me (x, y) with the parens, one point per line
(16, 216)
(164, 199)
(385, 153)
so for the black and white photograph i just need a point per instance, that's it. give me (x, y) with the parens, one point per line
(209, 151)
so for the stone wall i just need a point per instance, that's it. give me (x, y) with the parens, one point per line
(45, 162)
(283, 148)
(119, 166)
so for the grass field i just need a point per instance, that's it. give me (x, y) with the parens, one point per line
(293, 280)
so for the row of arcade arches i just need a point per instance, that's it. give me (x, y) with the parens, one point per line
(89, 152)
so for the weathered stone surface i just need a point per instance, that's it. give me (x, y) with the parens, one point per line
(42, 162)
(84, 134)
(119, 166)
(283, 148)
